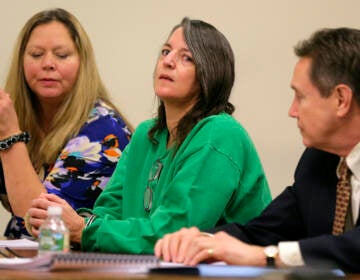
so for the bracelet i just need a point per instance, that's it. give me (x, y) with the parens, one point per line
(8, 142)
(90, 220)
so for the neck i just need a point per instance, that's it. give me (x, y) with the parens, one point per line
(47, 113)
(173, 115)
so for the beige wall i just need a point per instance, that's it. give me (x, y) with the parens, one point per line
(127, 36)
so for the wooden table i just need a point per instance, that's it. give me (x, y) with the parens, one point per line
(12, 274)
(8, 274)
(116, 274)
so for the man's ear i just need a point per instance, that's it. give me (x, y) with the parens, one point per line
(344, 95)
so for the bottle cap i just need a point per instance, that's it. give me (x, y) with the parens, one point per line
(54, 211)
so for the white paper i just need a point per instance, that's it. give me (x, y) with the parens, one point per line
(25, 263)
(19, 244)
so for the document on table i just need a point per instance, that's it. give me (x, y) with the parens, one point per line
(19, 244)
(223, 270)
(82, 261)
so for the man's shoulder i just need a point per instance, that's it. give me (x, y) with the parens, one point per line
(317, 164)
(314, 156)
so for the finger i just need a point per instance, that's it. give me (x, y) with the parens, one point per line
(53, 198)
(35, 232)
(184, 243)
(202, 255)
(176, 240)
(197, 245)
(40, 203)
(165, 247)
(158, 248)
(37, 213)
(35, 222)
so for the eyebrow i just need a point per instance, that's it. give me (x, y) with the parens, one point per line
(41, 47)
(170, 46)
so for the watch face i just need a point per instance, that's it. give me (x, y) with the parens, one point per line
(271, 251)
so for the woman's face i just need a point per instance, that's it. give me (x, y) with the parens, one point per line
(51, 62)
(175, 76)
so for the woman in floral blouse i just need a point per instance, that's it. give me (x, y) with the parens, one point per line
(59, 131)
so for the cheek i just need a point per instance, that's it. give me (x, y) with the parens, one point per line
(70, 72)
(190, 79)
(30, 70)
(156, 74)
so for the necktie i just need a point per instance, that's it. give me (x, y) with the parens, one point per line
(343, 193)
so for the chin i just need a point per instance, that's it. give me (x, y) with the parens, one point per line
(48, 93)
(307, 143)
(163, 94)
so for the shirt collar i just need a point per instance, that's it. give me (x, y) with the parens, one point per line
(353, 161)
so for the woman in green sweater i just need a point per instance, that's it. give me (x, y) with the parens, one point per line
(193, 165)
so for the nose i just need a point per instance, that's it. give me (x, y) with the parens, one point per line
(170, 60)
(48, 62)
(293, 111)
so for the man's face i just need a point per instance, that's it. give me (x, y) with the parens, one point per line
(316, 115)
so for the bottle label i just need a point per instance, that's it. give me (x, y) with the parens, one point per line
(51, 241)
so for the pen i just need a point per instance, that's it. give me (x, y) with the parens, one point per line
(3, 254)
(12, 252)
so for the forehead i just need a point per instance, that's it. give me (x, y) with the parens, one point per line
(301, 73)
(50, 31)
(177, 38)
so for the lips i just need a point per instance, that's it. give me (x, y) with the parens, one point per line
(48, 80)
(165, 77)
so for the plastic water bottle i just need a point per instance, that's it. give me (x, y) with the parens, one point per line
(54, 235)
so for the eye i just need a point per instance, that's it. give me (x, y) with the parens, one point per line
(298, 95)
(165, 52)
(62, 55)
(35, 54)
(187, 58)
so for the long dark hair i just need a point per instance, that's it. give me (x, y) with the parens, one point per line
(214, 62)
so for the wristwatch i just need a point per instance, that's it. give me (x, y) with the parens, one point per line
(8, 142)
(271, 253)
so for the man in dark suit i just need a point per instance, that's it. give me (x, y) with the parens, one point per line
(298, 228)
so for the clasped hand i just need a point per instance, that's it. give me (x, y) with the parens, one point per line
(9, 124)
(190, 247)
(38, 213)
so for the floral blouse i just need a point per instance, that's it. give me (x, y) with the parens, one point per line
(85, 164)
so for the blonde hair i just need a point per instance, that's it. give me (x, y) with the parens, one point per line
(74, 110)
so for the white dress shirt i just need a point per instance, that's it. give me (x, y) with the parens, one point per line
(289, 251)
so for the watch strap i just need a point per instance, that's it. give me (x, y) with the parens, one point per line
(271, 253)
(270, 261)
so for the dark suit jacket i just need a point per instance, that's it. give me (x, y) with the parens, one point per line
(304, 212)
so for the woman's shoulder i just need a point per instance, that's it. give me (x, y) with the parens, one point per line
(102, 109)
(105, 115)
(220, 132)
(146, 125)
(103, 121)
(222, 123)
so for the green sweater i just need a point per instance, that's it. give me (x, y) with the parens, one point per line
(214, 178)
